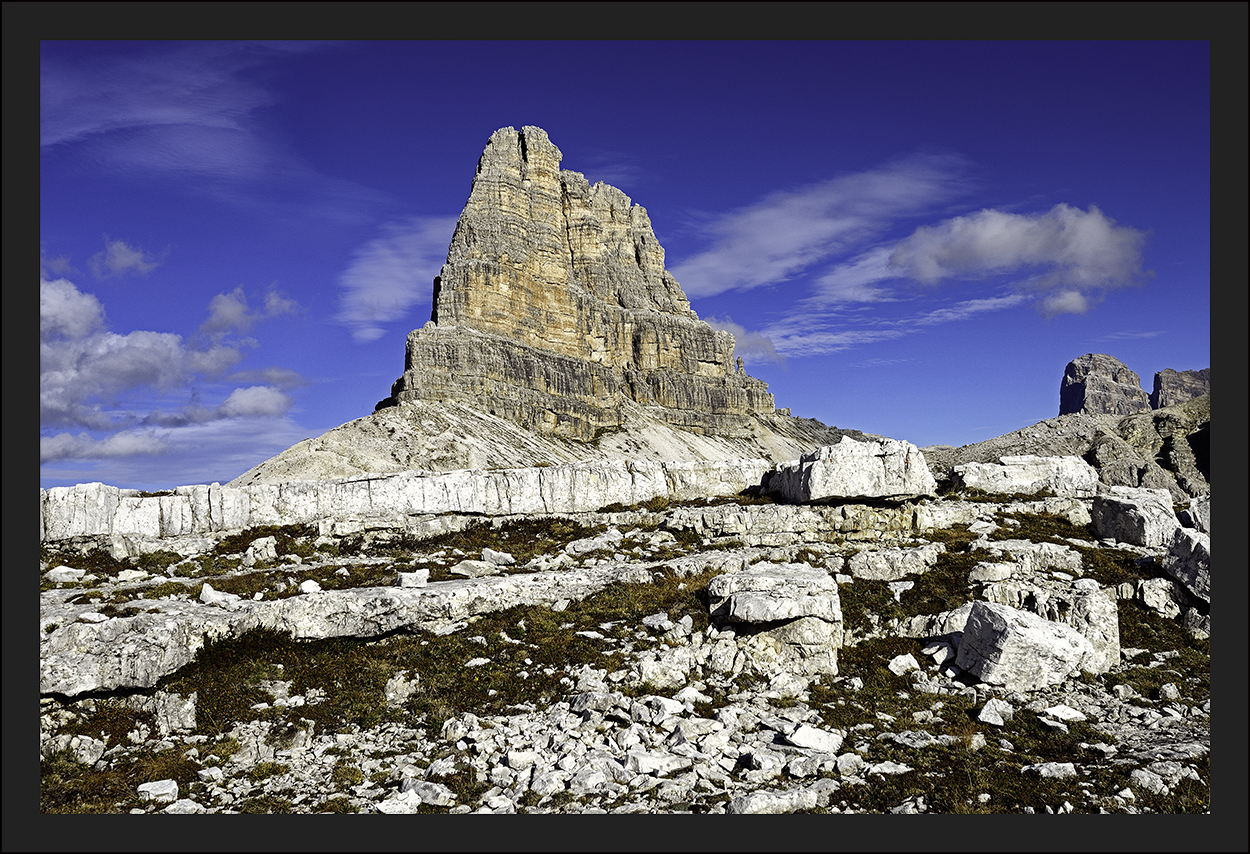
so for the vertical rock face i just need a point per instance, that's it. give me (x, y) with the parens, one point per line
(1179, 386)
(1098, 384)
(554, 306)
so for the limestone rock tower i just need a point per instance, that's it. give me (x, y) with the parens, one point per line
(554, 310)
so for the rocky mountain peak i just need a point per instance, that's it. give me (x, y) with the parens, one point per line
(1098, 384)
(554, 306)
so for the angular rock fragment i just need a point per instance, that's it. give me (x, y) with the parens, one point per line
(894, 564)
(1018, 650)
(1142, 517)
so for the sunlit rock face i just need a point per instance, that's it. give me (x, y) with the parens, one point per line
(554, 306)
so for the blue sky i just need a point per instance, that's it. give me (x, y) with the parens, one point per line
(908, 238)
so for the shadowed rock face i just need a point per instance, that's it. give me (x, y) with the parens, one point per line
(1179, 386)
(1098, 384)
(554, 306)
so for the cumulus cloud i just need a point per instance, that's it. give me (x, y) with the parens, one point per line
(392, 273)
(66, 312)
(748, 345)
(230, 312)
(93, 378)
(119, 258)
(789, 232)
(1070, 253)
(255, 402)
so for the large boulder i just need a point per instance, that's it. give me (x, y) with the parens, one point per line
(1026, 474)
(1189, 561)
(1018, 650)
(788, 617)
(1098, 384)
(1142, 517)
(881, 468)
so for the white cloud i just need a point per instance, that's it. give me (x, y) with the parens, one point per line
(255, 402)
(1072, 251)
(198, 453)
(807, 332)
(1129, 336)
(748, 345)
(190, 114)
(119, 258)
(856, 280)
(967, 308)
(392, 273)
(1064, 302)
(90, 377)
(64, 446)
(227, 312)
(64, 311)
(788, 232)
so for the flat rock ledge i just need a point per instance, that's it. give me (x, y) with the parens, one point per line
(95, 509)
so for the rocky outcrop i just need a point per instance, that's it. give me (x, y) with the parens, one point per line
(554, 305)
(885, 468)
(1163, 449)
(1098, 384)
(1179, 386)
(789, 612)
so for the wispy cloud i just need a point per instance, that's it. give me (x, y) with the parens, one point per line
(1130, 336)
(806, 332)
(789, 232)
(392, 273)
(878, 363)
(189, 113)
(94, 379)
(65, 446)
(119, 258)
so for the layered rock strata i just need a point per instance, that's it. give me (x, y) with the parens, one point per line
(554, 305)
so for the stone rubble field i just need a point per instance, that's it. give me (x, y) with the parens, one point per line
(968, 652)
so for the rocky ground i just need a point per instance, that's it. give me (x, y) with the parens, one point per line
(593, 663)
